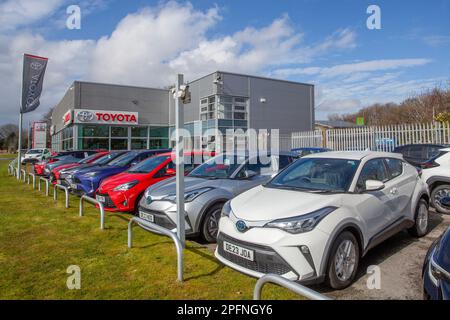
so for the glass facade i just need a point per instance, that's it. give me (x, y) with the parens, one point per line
(91, 137)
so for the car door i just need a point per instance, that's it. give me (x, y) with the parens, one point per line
(402, 183)
(372, 206)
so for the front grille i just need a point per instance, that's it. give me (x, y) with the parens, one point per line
(265, 259)
(108, 202)
(160, 219)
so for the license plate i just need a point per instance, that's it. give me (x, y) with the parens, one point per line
(147, 216)
(101, 199)
(238, 251)
(74, 186)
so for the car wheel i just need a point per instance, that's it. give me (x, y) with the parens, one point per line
(210, 225)
(437, 195)
(343, 261)
(421, 220)
(136, 205)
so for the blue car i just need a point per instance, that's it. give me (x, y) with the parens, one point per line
(87, 182)
(305, 151)
(103, 161)
(436, 269)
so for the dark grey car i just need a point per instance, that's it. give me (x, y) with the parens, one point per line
(207, 188)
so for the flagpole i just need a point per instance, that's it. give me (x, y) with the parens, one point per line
(19, 153)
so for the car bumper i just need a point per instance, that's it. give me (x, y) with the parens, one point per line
(117, 201)
(165, 214)
(274, 251)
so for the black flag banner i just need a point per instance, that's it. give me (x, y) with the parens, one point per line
(33, 78)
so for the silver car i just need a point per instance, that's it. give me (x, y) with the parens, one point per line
(207, 188)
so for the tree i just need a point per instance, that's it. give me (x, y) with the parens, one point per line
(418, 108)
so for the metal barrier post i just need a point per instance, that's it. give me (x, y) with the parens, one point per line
(55, 193)
(151, 227)
(47, 192)
(288, 284)
(24, 175)
(34, 179)
(93, 201)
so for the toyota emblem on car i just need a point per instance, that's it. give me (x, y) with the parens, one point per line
(241, 226)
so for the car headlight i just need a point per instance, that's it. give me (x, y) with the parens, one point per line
(126, 186)
(226, 209)
(436, 272)
(303, 223)
(188, 196)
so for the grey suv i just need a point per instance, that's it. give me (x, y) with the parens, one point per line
(207, 188)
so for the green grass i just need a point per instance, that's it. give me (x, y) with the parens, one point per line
(39, 239)
(7, 155)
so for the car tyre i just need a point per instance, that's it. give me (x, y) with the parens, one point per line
(437, 194)
(136, 205)
(343, 261)
(210, 224)
(421, 219)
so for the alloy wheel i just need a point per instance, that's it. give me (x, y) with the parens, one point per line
(441, 194)
(422, 218)
(213, 223)
(345, 260)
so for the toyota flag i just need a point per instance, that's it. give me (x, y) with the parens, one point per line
(33, 77)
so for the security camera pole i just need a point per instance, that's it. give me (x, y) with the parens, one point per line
(179, 95)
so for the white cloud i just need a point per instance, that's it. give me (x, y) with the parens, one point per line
(352, 68)
(436, 40)
(17, 13)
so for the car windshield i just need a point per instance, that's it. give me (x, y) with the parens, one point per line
(106, 158)
(317, 175)
(34, 151)
(219, 167)
(148, 165)
(88, 159)
(124, 159)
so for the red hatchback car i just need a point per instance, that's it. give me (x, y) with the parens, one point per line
(55, 172)
(122, 192)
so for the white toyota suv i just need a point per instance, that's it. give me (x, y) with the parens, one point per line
(316, 219)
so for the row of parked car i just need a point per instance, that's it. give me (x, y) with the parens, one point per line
(307, 215)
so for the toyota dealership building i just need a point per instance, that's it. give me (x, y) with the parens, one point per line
(117, 117)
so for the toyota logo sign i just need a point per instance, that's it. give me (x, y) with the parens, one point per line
(85, 116)
(36, 66)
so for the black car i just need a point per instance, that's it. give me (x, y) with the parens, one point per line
(436, 269)
(421, 155)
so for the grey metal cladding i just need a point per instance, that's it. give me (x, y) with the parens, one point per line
(288, 106)
(67, 103)
(152, 104)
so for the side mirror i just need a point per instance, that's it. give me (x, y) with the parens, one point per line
(248, 174)
(133, 163)
(374, 185)
(170, 172)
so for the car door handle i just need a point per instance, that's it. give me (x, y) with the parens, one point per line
(394, 191)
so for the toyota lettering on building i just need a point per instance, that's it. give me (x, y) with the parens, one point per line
(106, 117)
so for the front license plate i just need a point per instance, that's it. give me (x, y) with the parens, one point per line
(101, 199)
(238, 251)
(147, 216)
(74, 186)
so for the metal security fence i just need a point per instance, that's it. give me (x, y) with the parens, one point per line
(377, 138)
(307, 139)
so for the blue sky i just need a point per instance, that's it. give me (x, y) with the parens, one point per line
(142, 42)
